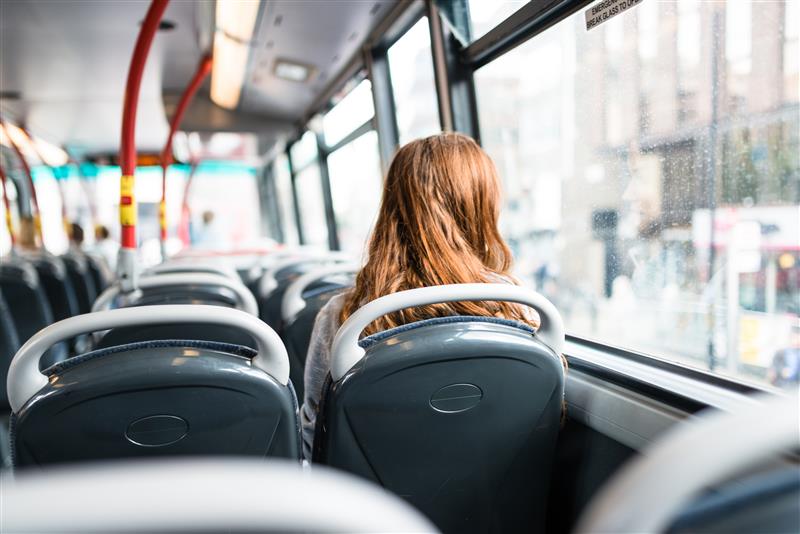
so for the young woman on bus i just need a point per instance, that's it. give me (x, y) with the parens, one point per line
(437, 225)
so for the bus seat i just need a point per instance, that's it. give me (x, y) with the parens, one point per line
(99, 271)
(57, 286)
(303, 300)
(30, 309)
(154, 398)
(458, 415)
(201, 495)
(277, 279)
(181, 288)
(9, 343)
(78, 270)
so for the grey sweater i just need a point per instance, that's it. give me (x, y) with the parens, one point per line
(318, 365)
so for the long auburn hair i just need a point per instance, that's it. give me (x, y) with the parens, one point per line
(437, 225)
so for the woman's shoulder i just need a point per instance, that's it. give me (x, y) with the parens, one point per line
(331, 310)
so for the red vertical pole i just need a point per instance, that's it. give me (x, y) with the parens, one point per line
(203, 70)
(127, 149)
(37, 218)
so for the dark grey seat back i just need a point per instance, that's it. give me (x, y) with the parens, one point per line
(99, 272)
(458, 415)
(82, 281)
(9, 343)
(297, 334)
(159, 398)
(29, 307)
(180, 294)
(57, 285)
(269, 306)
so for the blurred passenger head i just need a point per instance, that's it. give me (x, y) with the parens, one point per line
(101, 232)
(27, 233)
(437, 225)
(208, 217)
(76, 234)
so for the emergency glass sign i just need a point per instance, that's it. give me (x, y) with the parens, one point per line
(607, 9)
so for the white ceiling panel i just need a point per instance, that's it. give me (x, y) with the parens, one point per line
(69, 60)
(324, 35)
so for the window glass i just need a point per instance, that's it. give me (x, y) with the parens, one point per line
(652, 227)
(283, 188)
(227, 190)
(308, 184)
(411, 69)
(355, 174)
(486, 14)
(351, 112)
(304, 151)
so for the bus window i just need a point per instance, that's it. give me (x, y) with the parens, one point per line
(228, 191)
(355, 174)
(655, 223)
(304, 151)
(308, 186)
(411, 70)
(283, 187)
(349, 113)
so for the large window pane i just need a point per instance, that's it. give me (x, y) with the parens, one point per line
(283, 188)
(351, 112)
(304, 151)
(652, 226)
(411, 69)
(312, 206)
(355, 174)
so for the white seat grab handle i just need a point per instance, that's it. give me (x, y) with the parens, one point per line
(269, 282)
(246, 299)
(346, 352)
(24, 378)
(186, 266)
(293, 302)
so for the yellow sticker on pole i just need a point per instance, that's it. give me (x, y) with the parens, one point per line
(162, 214)
(127, 204)
(126, 186)
(127, 214)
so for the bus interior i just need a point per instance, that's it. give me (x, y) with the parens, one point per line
(187, 183)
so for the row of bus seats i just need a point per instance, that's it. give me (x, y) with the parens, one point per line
(37, 289)
(432, 411)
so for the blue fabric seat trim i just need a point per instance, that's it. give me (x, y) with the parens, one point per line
(380, 336)
(230, 348)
